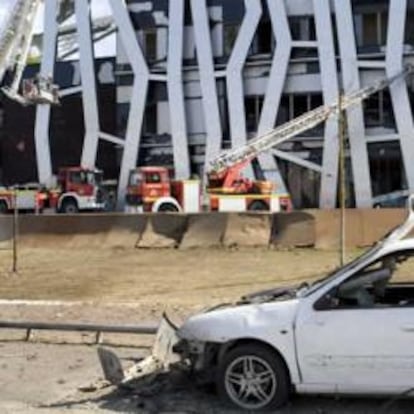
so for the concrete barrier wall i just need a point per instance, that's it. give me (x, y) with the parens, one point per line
(363, 226)
(311, 228)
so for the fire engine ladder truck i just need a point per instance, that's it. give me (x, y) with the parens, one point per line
(229, 163)
(15, 42)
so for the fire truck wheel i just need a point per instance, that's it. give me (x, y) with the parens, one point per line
(258, 206)
(69, 207)
(168, 208)
(3, 207)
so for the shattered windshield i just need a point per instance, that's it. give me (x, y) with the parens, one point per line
(339, 271)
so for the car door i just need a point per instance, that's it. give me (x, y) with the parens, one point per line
(356, 348)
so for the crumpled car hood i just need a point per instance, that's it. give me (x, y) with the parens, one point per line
(245, 321)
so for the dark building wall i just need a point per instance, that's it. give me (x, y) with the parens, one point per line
(17, 148)
(17, 144)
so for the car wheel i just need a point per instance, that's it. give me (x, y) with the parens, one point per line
(69, 207)
(168, 208)
(252, 377)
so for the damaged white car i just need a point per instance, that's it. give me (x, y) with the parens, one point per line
(351, 332)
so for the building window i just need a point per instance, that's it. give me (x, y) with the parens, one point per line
(230, 32)
(264, 41)
(253, 106)
(386, 167)
(409, 28)
(371, 29)
(150, 45)
(378, 110)
(298, 104)
(149, 126)
(302, 27)
(291, 106)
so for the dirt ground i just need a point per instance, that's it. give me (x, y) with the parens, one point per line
(132, 286)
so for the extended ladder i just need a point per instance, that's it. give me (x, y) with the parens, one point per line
(15, 43)
(298, 125)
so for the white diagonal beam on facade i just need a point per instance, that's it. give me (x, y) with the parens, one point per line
(274, 90)
(330, 90)
(139, 94)
(355, 115)
(111, 138)
(207, 80)
(88, 79)
(291, 157)
(70, 91)
(235, 90)
(398, 90)
(176, 90)
(42, 123)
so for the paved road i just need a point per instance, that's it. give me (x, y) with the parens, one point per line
(44, 378)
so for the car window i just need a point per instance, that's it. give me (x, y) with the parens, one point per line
(388, 282)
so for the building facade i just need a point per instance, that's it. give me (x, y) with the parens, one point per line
(194, 77)
(221, 71)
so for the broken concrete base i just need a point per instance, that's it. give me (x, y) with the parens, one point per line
(204, 231)
(151, 239)
(296, 229)
(247, 230)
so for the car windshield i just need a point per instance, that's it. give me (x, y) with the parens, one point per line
(340, 270)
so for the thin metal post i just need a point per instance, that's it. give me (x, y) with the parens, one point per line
(342, 178)
(15, 230)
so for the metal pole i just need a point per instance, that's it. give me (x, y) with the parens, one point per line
(342, 178)
(15, 231)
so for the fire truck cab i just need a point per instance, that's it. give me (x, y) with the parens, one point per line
(150, 189)
(79, 189)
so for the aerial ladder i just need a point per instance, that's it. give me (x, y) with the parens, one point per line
(225, 171)
(15, 42)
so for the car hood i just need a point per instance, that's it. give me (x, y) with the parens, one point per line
(240, 321)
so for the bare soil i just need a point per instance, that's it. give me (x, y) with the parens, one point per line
(133, 286)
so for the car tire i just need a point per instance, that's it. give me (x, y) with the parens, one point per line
(168, 208)
(69, 207)
(253, 377)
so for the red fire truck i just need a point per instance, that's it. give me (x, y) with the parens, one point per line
(27, 197)
(150, 189)
(78, 189)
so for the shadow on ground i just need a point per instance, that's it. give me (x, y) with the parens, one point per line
(180, 395)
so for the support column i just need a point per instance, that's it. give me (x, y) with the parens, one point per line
(276, 83)
(139, 94)
(398, 90)
(42, 123)
(211, 110)
(330, 90)
(234, 74)
(176, 90)
(355, 115)
(88, 78)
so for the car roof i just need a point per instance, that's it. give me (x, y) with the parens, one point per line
(398, 245)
